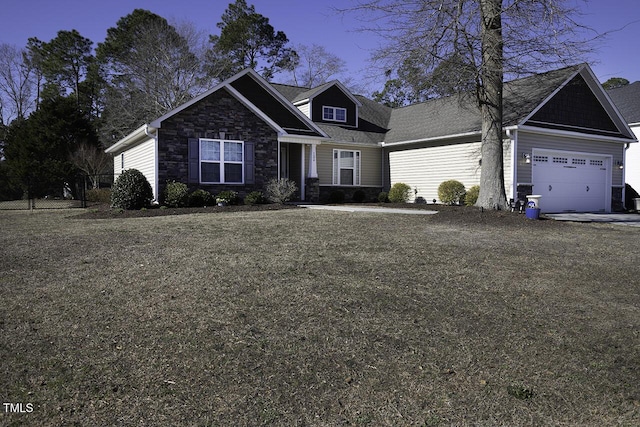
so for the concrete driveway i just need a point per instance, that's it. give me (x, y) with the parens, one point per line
(609, 218)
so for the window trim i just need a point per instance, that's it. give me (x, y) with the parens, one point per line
(357, 167)
(334, 111)
(221, 162)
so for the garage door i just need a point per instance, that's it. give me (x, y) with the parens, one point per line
(570, 182)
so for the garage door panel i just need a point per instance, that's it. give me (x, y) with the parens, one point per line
(570, 181)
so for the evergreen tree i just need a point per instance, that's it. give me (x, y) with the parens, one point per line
(247, 40)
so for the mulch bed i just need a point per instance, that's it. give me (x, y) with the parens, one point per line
(446, 214)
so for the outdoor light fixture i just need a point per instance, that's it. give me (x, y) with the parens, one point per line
(619, 164)
(526, 157)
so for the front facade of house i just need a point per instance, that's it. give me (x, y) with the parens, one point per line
(564, 139)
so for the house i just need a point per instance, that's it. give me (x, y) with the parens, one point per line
(627, 99)
(564, 139)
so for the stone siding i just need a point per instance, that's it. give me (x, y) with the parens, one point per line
(221, 116)
(371, 193)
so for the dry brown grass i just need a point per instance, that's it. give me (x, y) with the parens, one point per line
(301, 317)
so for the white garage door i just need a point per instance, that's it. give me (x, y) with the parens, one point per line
(570, 182)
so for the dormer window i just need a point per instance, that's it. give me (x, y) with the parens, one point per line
(334, 114)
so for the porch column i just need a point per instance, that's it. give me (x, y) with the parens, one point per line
(302, 180)
(313, 165)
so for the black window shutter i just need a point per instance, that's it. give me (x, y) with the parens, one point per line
(249, 163)
(194, 161)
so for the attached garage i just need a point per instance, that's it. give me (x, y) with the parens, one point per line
(571, 181)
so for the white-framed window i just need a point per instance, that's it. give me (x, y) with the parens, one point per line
(346, 167)
(221, 161)
(334, 114)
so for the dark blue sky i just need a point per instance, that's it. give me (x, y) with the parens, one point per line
(304, 22)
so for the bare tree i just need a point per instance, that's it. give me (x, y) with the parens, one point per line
(17, 94)
(92, 160)
(149, 69)
(496, 37)
(314, 66)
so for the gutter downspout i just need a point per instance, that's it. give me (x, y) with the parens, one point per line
(513, 138)
(624, 176)
(156, 160)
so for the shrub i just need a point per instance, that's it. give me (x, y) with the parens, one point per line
(359, 196)
(176, 195)
(471, 197)
(399, 193)
(200, 198)
(227, 196)
(280, 190)
(254, 198)
(451, 192)
(383, 197)
(98, 195)
(336, 196)
(131, 191)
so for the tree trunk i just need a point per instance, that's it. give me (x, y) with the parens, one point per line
(492, 191)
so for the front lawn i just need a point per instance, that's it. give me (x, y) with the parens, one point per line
(301, 317)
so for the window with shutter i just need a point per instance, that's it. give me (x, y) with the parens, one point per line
(221, 161)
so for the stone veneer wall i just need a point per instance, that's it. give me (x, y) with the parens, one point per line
(371, 193)
(207, 118)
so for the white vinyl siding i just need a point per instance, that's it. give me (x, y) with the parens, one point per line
(370, 164)
(425, 168)
(141, 157)
(306, 109)
(632, 161)
(528, 141)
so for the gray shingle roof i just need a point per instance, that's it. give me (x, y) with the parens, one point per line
(627, 99)
(459, 114)
(441, 117)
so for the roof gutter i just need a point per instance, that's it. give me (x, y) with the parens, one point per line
(128, 140)
(433, 138)
(568, 133)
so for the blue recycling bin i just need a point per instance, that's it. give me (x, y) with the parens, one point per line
(533, 206)
(532, 213)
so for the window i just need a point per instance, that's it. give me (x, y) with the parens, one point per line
(346, 167)
(221, 161)
(334, 114)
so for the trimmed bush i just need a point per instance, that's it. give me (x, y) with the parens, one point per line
(471, 197)
(451, 192)
(254, 198)
(227, 196)
(359, 196)
(200, 198)
(131, 191)
(280, 190)
(176, 195)
(383, 197)
(399, 193)
(98, 195)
